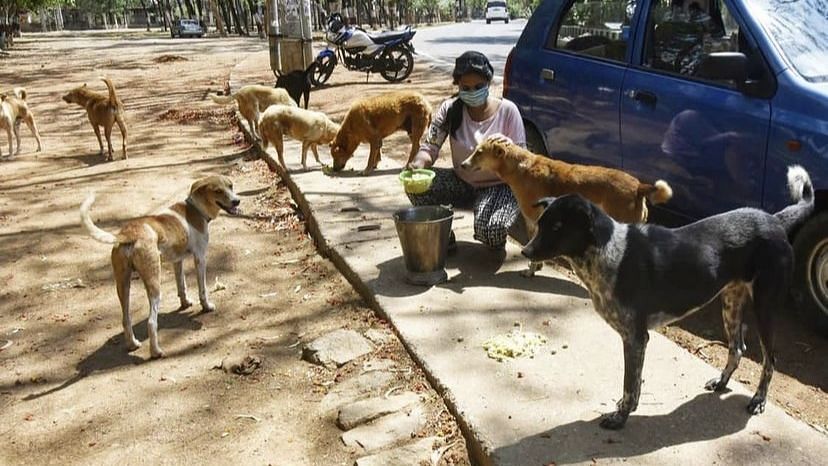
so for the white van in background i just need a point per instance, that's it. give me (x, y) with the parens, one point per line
(496, 11)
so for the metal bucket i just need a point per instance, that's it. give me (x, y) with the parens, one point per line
(424, 235)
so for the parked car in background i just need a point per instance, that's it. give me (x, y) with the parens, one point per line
(717, 97)
(186, 28)
(496, 11)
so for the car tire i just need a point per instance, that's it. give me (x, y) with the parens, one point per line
(506, 20)
(810, 285)
(534, 141)
(488, 21)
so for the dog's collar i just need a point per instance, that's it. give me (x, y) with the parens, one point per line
(192, 204)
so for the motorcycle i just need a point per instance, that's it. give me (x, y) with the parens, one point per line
(389, 53)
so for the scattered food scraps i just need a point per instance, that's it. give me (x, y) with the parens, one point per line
(514, 344)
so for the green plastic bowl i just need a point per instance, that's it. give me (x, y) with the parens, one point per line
(416, 181)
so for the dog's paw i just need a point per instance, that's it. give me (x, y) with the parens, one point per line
(614, 421)
(185, 303)
(756, 405)
(715, 385)
(157, 354)
(132, 345)
(207, 306)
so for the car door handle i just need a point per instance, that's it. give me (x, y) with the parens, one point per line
(547, 74)
(645, 97)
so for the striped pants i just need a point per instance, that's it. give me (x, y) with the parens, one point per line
(495, 208)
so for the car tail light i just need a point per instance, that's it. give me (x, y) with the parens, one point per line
(507, 70)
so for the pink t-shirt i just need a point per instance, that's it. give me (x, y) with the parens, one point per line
(506, 121)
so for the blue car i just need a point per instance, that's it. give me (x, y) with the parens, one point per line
(717, 97)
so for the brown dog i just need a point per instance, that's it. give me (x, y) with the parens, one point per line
(312, 128)
(102, 111)
(253, 100)
(374, 118)
(532, 177)
(13, 110)
(142, 243)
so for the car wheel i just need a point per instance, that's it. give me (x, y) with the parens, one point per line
(488, 21)
(507, 20)
(534, 141)
(810, 285)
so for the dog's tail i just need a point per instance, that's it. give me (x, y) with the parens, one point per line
(657, 193)
(94, 231)
(20, 92)
(802, 193)
(223, 99)
(113, 99)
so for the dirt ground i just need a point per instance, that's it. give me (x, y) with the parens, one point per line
(69, 393)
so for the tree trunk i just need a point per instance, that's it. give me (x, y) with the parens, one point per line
(146, 13)
(232, 5)
(160, 15)
(228, 18)
(167, 13)
(190, 9)
(217, 15)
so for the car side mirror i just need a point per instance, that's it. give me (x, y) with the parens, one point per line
(725, 66)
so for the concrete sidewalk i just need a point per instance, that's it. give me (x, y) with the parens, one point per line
(542, 410)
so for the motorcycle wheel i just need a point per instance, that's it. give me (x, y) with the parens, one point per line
(402, 61)
(321, 70)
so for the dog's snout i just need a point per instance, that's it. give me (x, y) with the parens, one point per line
(235, 202)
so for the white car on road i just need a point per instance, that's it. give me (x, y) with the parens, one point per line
(496, 11)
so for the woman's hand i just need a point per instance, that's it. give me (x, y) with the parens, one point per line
(499, 137)
(421, 160)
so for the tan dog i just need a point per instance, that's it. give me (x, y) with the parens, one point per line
(374, 118)
(103, 111)
(312, 128)
(532, 177)
(142, 243)
(253, 100)
(13, 110)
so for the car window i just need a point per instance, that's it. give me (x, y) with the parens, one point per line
(496, 5)
(800, 29)
(595, 28)
(683, 33)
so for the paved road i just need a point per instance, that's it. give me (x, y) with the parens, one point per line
(444, 43)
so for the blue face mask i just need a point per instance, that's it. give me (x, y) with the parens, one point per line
(475, 98)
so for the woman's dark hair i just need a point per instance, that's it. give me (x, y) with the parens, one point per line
(454, 116)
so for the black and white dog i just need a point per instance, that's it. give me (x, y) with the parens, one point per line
(645, 276)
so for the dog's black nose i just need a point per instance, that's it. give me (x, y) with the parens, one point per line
(525, 254)
(236, 202)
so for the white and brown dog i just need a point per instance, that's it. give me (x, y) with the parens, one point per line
(13, 111)
(141, 244)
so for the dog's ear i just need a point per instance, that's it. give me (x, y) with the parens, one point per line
(544, 202)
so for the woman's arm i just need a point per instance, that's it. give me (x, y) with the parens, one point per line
(433, 139)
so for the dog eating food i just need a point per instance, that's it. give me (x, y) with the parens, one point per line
(374, 118)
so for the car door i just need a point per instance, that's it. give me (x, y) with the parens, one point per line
(681, 123)
(580, 70)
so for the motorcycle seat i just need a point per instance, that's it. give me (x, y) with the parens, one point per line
(388, 36)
